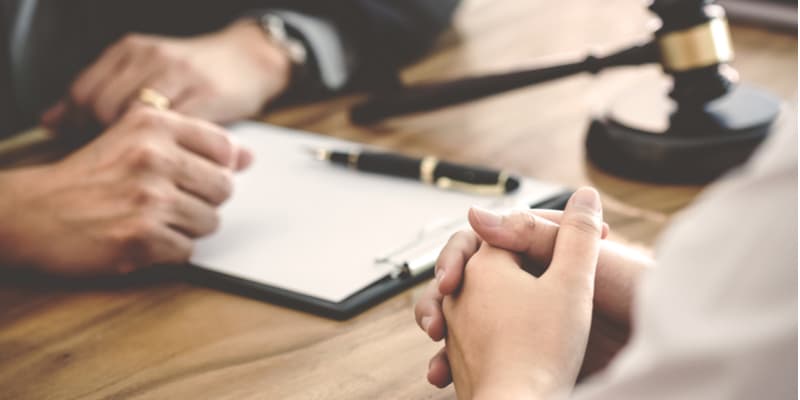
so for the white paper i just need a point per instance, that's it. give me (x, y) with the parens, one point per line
(315, 228)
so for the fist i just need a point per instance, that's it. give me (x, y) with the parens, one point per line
(134, 197)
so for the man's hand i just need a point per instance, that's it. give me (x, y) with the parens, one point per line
(513, 335)
(134, 197)
(220, 77)
(532, 233)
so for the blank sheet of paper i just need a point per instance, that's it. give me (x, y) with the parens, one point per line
(315, 228)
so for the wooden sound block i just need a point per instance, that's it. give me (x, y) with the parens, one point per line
(645, 137)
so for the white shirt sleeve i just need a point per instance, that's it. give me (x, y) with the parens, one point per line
(718, 318)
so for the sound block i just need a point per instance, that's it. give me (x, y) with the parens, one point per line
(649, 139)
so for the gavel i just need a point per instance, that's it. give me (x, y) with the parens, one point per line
(716, 124)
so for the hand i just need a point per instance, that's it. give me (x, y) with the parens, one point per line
(513, 335)
(532, 233)
(220, 77)
(134, 197)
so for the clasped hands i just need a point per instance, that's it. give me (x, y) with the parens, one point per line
(511, 334)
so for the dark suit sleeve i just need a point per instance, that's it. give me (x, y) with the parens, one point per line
(390, 33)
(377, 37)
(399, 30)
(362, 43)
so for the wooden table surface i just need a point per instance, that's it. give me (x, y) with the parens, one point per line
(163, 338)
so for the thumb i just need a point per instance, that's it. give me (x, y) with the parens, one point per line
(577, 246)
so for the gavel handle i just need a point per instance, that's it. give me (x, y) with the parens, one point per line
(432, 96)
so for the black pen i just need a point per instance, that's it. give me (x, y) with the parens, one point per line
(429, 170)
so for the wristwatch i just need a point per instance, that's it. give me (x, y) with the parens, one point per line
(276, 29)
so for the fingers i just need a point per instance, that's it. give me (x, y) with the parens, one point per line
(492, 257)
(439, 370)
(521, 231)
(117, 92)
(110, 86)
(577, 246)
(202, 138)
(210, 141)
(89, 82)
(529, 232)
(169, 247)
(203, 179)
(555, 217)
(52, 118)
(244, 159)
(450, 265)
(149, 243)
(428, 312)
(192, 216)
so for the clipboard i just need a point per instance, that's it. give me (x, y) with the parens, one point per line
(357, 303)
(327, 240)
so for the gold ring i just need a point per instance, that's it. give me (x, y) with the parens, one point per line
(154, 98)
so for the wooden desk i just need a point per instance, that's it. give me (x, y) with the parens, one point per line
(168, 339)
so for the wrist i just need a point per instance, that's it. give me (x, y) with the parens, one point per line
(508, 392)
(619, 270)
(14, 183)
(267, 55)
(521, 382)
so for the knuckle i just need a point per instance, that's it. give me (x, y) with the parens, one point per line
(524, 221)
(132, 40)
(158, 52)
(134, 237)
(182, 66)
(206, 87)
(147, 196)
(145, 156)
(77, 95)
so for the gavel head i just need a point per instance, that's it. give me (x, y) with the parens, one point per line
(695, 48)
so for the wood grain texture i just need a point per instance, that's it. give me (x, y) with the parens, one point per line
(162, 338)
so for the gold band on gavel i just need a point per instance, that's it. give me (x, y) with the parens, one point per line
(699, 46)
(427, 168)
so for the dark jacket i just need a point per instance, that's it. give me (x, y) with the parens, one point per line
(64, 36)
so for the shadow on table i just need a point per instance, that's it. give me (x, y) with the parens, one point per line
(33, 280)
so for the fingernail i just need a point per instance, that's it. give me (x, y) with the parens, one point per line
(486, 217)
(426, 323)
(439, 275)
(587, 197)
